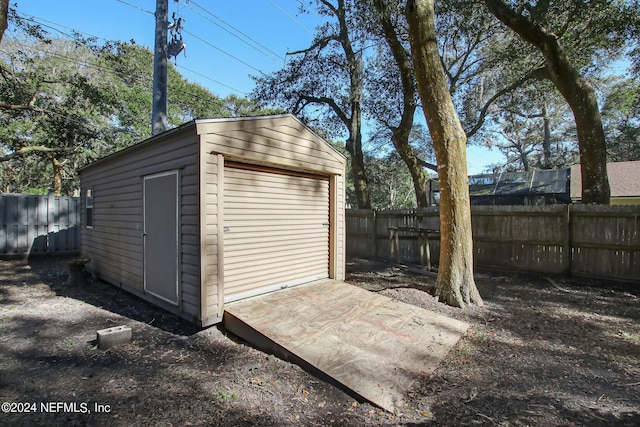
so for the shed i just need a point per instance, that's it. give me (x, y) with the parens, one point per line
(216, 211)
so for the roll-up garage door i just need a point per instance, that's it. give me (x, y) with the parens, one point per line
(276, 230)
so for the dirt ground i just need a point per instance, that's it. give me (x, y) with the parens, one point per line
(542, 351)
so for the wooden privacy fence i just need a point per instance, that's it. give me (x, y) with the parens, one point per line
(39, 224)
(582, 240)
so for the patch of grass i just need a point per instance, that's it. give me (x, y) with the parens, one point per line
(224, 395)
(632, 337)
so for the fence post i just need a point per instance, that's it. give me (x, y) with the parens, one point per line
(567, 243)
(374, 233)
(394, 244)
(50, 222)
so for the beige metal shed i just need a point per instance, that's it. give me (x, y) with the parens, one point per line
(216, 211)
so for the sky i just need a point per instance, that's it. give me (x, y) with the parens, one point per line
(226, 41)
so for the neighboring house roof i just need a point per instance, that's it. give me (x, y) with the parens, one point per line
(624, 179)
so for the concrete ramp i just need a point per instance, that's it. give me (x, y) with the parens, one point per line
(376, 347)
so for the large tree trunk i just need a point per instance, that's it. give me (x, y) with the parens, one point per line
(578, 93)
(546, 141)
(354, 147)
(4, 20)
(455, 284)
(57, 176)
(401, 133)
(354, 123)
(400, 139)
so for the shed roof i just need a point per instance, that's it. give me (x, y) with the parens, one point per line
(263, 139)
(281, 140)
(624, 179)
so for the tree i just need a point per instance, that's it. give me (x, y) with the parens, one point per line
(4, 17)
(52, 108)
(390, 183)
(621, 117)
(64, 104)
(533, 130)
(391, 98)
(543, 25)
(327, 78)
(129, 68)
(455, 284)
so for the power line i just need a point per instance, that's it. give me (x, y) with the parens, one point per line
(136, 7)
(202, 40)
(293, 18)
(143, 78)
(209, 78)
(40, 21)
(223, 51)
(235, 29)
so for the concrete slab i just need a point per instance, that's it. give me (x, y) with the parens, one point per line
(377, 347)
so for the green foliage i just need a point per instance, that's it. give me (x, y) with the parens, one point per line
(64, 104)
(390, 182)
(53, 107)
(499, 82)
(621, 117)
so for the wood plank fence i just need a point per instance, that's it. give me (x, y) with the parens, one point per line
(39, 224)
(581, 240)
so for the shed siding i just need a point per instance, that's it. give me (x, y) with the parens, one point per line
(271, 142)
(212, 169)
(115, 243)
(339, 240)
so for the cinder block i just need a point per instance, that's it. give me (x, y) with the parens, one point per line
(117, 335)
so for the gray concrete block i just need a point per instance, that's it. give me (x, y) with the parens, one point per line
(110, 337)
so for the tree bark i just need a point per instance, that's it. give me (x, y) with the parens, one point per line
(455, 284)
(578, 93)
(354, 147)
(57, 176)
(546, 141)
(401, 133)
(4, 17)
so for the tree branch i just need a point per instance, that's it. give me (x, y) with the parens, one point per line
(24, 151)
(318, 44)
(427, 165)
(327, 101)
(538, 73)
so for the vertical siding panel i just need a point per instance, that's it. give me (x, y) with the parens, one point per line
(210, 178)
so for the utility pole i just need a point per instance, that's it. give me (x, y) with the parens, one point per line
(159, 111)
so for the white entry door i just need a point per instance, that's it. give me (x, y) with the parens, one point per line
(161, 235)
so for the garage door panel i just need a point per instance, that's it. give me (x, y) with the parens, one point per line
(246, 259)
(259, 245)
(277, 216)
(274, 272)
(245, 283)
(275, 200)
(276, 230)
